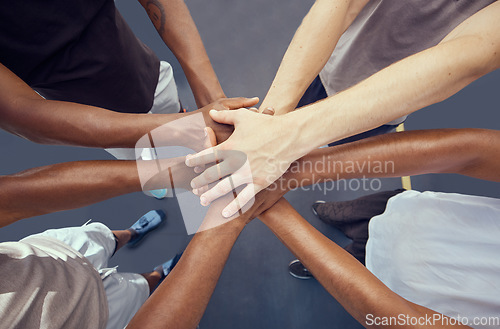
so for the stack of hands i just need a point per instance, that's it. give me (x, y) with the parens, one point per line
(246, 161)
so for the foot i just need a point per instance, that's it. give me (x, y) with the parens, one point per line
(297, 270)
(167, 267)
(145, 224)
(315, 206)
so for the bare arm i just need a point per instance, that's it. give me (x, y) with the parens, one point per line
(346, 279)
(309, 51)
(470, 51)
(467, 53)
(24, 113)
(64, 186)
(180, 301)
(178, 30)
(469, 152)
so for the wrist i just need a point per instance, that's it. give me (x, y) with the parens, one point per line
(203, 82)
(280, 107)
(205, 95)
(299, 140)
(231, 228)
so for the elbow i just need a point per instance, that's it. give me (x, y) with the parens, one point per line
(487, 56)
(471, 147)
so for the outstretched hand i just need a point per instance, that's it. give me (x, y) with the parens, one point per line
(253, 157)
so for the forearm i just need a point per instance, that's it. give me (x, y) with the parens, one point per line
(25, 113)
(469, 52)
(470, 152)
(64, 186)
(310, 49)
(73, 185)
(178, 30)
(180, 301)
(64, 123)
(346, 279)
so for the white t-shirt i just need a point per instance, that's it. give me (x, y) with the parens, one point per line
(46, 284)
(441, 251)
(387, 31)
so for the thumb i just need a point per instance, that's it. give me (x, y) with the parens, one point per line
(226, 117)
(211, 138)
(239, 102)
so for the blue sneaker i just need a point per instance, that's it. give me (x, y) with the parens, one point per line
(167, 267)
(145, 224)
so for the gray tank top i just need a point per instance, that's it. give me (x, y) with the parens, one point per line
(80, 51)
(387, 31)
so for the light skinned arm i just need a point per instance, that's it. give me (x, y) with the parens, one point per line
(25, 113)
(345, 278)
(309, 50)
(176, 27)
(467, 53)
(470, 51)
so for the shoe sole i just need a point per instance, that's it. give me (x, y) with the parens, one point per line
(315, 203)
(300, 277)
(296, 275)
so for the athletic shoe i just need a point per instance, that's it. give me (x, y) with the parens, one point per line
(145, 224)
(315, 206)
(167, 267)
(297, 270)
(159, 194)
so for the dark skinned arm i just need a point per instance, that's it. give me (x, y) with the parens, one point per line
(64, 186)
(24, 113)
(180, 301)
(469, 152)
(345, 278)
(176, 27)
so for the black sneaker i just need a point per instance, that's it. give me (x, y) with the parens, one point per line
(297, 270)
(315, 206)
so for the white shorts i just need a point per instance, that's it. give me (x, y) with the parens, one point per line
(126, 292)
(166, 101)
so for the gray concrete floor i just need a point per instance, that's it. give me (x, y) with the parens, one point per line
(246, 40)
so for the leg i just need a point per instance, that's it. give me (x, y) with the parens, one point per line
(122, 237)
(153, 278)
(342, 214)
(353, 217)
(160, 272)
(134, 234)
